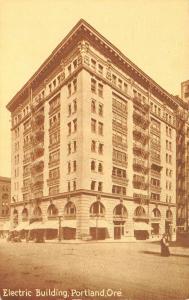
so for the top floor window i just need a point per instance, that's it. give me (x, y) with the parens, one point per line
(93, 85)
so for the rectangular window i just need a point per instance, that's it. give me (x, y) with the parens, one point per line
(69, 69)
(69, 148)
(100, 128)
(74, 166)
(93, 64)
(100, 148)
(54, 174)
(100, 90)
(114, 79)
(100, 109)
(75, 125)
(93, 85)
(69, 128)
(93, 146)
(69, 109)
(75, 63)
(74, 106)
(69, 89)
(75, 85)
(100, 69)
(93, 125)
(119, 83)
(74, 146)
(93, 183)
(100, 186)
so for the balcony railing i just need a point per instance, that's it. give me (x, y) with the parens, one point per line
(140, 136)
(140, 152)
(26, 188)
(120, 180)
(140, 120)
(37, 167)
(138, 101)
(54, 163)
(53, 181)
(39, 119)
(140, 185)
(118, 126)
(155, 188)
(118, 144)
(156, 159)
(140, 168)
(120, 163)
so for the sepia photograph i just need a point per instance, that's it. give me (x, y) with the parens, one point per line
(94, 149)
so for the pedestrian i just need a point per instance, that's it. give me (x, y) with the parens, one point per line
(164, 246)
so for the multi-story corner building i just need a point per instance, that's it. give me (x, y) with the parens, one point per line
(5, 196)
(183, 158)
(93, 145)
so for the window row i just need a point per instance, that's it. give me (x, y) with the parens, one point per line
(72, 107)
(16, 159)
(119, 104)
(54, 156)
(96, 66)
(71, 67)
(94, 127)
(119, 83)
(54, 120)
(54, 138)
(96, 87)
(168, 158)
(168, 145)
(54, 173)
(168, 185)
(155, 109)
(139, 96)
(117, 189)
(96, 186)
(72, 186)
(72, 126)
(94, 106)
(155, 182)
(119, 172)
(95, 145)
(72, 147)
(96, 166)
(54, 103)
(72, 166)
(72, 87)
(119, 156)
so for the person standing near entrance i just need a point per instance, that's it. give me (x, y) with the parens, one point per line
(165, 246)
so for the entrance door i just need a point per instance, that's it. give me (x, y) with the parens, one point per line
(117, 232)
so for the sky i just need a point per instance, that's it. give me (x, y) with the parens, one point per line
(153, 34)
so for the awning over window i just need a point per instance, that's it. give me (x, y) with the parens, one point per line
(68, 223)
(6, 226)
(21, 226)
(98, 223)
(142, 226)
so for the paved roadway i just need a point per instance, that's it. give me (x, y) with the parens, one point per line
(135, 270)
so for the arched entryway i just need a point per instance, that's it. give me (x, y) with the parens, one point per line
(52, 213)
(141, 226)
(15, 217)
(168, 223)
(119, 218)
(98, 228)
(25, 215)
(69, 221)
(155, 221)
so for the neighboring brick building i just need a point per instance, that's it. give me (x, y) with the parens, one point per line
(94, 140)
(5, 199)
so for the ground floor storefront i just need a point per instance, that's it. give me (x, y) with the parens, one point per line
(93, 217)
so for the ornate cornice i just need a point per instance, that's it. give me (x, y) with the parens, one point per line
(83, 31)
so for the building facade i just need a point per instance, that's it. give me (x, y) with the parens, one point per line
(5, 199)
(93, 145)
(183, 159)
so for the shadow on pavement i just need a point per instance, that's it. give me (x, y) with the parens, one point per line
(158, 253)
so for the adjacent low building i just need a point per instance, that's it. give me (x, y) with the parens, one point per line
(5, 199)
(93, 145)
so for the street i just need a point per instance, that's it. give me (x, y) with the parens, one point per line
(132, 271)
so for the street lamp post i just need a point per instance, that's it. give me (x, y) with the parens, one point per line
(59, 227)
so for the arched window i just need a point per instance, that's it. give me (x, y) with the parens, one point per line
(52, 210)
(25, 214)
(120, 211)
(70, 209)
(100, 168)
(97, 208)
(169, 214)
(92, 165)
(140, 212)
(156, 213)
(37, 212)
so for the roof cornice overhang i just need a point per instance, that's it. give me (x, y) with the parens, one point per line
(83, 30)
